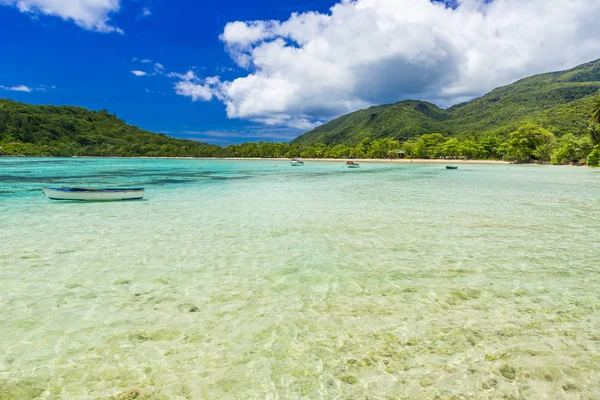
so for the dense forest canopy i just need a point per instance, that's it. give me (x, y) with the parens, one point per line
(67, 131)
(558, 101)
(551, 117)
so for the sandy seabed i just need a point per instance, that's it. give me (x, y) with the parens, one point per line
(239, 279)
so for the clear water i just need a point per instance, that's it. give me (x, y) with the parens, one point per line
(257, 280)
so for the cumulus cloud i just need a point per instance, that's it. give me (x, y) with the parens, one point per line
(190, 85)
(146, 12)
(92, 15)
(194, 90)
(313, 67)
(139, 73)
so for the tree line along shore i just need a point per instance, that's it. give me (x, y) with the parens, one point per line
(72, 131)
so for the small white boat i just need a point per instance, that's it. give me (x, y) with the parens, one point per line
(296, 162)
(352, 164)
(88, 194)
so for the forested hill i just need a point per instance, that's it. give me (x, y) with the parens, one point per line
(558, 101)
(66, 131)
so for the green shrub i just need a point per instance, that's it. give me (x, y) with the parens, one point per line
(594, 157)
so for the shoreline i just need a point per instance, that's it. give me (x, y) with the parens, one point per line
(282, 159)
(359, 160)
(380, 160)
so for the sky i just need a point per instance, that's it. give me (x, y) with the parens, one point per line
(231, 71)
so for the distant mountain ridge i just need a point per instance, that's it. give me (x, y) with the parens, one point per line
(559, 101)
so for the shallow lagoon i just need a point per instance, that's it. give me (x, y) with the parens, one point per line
(254, 279)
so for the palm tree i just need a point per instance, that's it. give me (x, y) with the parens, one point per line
(595, 122)
(596, 111)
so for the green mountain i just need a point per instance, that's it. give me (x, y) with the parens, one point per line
(66, 131)
(558, 101)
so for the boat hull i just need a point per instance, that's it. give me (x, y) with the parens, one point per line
(352, 166)
(81, 194)
(296, 164)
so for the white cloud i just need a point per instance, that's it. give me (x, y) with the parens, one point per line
(188, 76)
(314, 67)
(27, 89)
(243, 34)
(194, 90)
(190, 85)
(158, 68)
(146, 12)
(89, 14)
(19, 88)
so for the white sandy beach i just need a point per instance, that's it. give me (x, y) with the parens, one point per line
(379, 160)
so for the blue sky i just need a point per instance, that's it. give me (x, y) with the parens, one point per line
(92, 69)
(233, 71)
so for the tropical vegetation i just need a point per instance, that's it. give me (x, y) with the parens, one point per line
(559, 102)
(66, 131)
(566, 131)
(594, 128)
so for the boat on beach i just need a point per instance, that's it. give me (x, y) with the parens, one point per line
(451, 167)
(352, 164)
(296, 162)
(90, 194)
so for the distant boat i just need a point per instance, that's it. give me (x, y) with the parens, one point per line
(352, 164)
(88, 194)
(296, 162)
(451, 167)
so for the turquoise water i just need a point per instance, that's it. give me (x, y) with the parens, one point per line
(257, 280)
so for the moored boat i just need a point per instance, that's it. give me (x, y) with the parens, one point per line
(89, 194)
(451, 167)
(352, 164)
(296, 162)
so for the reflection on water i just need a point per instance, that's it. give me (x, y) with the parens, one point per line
(246, 280)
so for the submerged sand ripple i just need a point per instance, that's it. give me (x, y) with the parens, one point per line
(404, 282)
